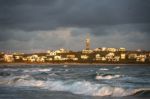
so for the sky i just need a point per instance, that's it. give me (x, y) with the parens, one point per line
(53, 24)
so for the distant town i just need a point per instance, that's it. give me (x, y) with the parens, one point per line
(87, 55)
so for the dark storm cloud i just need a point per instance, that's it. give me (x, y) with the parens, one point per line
(122, 29)
(21, 20)
(47, 14)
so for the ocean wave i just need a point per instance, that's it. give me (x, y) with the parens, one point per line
(5, 74)
(38, 70)
(52, 74)
(117, 67)
(98, 77)
(76, 87)
(11, 80)
(142, 92)
(103, 69)
(10, 69)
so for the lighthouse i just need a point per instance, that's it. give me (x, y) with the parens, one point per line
(87, 42)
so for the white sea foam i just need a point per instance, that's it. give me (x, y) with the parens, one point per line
(82, 87)
(76, 87)
(117, 67)
(11, 80)
(45, 70)
(10, 69)
(98, 77)
(103, 69)
(66, 70)
(38, 70)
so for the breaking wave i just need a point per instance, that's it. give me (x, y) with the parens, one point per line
(98, 77)
(76, 87)
(103, 69)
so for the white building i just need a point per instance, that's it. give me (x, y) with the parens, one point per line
(32, 58)
(87, 51)
(98, 57)
(123, 56)
(8, 58)
(103, 59)
(116, 58)
(97, 49)
(61, 51)
(132, 56)
(104, 48)
(110, 56)
(51, 53)
(57, 57)
(111, 49)
(122, 49)
(84, 57)
(141, 58)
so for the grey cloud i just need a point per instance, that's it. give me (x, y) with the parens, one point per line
(19, 35)
(115, 20)
(55, 40)
(35, 14)
(123, 29)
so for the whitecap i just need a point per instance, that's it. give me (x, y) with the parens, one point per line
(103, 69)
(45, 70)
(88, 88)
(117, 67)
(98, 77)
(38, 70)
(76, 87)
(12, 80)
(66, 70)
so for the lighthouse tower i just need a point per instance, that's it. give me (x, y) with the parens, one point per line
(87, 42)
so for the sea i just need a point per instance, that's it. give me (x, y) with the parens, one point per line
(46, 81)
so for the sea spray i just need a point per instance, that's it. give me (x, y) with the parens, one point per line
(76, 87)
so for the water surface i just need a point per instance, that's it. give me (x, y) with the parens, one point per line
(75, 82)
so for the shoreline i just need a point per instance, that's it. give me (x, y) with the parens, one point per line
(15, 65)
